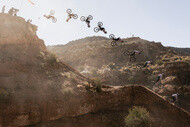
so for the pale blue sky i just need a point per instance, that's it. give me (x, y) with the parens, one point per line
(166, 21)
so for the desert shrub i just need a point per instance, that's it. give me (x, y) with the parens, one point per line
(4, 96)
(151, 78)
(137, 117)
(42, 65)
(121, 58)
(132, 79)
(51, 58)
(94, 72)
(159, 63)
(98, 88)
(81, 68)
(112, 66)
(42, 54)
(74, 81)
(98, 84)
(67, 90)
(3, 92)
(87, 87)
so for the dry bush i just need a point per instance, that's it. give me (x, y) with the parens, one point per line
(51, 58)
(137, 117)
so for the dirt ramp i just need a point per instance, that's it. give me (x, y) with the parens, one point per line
(110, 107)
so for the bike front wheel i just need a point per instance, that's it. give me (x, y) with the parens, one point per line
(96, 29)
(75, 16)
(90, 17)
(132, 59)
(100, 24)
(127, 53)
(54, 20)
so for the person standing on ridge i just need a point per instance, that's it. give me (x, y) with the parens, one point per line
(11, 11)
(3, 9)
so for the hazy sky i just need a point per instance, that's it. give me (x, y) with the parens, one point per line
(166, 21)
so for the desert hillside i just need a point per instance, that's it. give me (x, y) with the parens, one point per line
(101, 61)
(185, 51)
(38, 89)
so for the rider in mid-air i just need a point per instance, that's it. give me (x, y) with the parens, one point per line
(3, 9)
(175, 97)
(147, 63)
(159, 78)
(69, 17)
(135, 52)
(117, 39)
(88, 21)
(102, 28)
(49, 16)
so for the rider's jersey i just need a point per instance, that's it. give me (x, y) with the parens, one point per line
(116, 39)
(160, 75)
(175, 95)
(49, 16)
(71, 15)
(101, 28)
(87, 19)
(148, 62)
(137, 51)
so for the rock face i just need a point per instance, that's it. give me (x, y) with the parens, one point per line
(35, 87)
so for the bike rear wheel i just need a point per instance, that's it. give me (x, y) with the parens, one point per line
(52, 12)
(69, 11)
(146, 71)
(113, 43)
(54, 20)
(82, 18)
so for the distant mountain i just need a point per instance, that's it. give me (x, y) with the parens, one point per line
(182, 50)
(87, 40)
